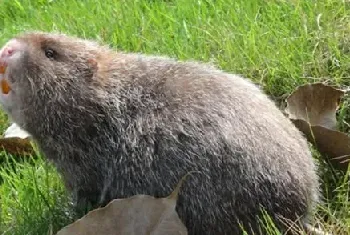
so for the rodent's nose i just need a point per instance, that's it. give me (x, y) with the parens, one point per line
(9, 50)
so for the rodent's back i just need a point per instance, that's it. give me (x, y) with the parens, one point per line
(200, 118)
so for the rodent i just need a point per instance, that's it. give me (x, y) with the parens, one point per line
(117, 124)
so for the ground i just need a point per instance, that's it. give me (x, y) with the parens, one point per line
(278, 44)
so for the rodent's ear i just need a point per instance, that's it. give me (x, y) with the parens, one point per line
(92, 68)
(93, 64)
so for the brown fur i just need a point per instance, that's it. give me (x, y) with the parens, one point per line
(118, 124)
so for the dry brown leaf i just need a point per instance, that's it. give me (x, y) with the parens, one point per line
(333, 143)
(16, 141)
(16, 146)
(316, 104)
(138, 215)
(312, 108)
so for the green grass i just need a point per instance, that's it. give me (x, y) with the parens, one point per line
(278, 44)
(33, 199)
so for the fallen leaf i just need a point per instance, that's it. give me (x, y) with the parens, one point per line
(16, 146)
(312, 108)
(139, 215)
(16, 141)
(330, 142)
(316, 104)
(15, 131)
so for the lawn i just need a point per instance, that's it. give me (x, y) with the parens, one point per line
(279, 44)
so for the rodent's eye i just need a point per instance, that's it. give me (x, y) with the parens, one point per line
(49, 53)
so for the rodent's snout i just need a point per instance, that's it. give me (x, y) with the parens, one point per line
(6, 54)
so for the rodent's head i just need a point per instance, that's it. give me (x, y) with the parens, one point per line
(38, 68)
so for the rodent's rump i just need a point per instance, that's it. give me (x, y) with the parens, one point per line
(118, 124)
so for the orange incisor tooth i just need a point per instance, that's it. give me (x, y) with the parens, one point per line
(5, 87)
(2, 69)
